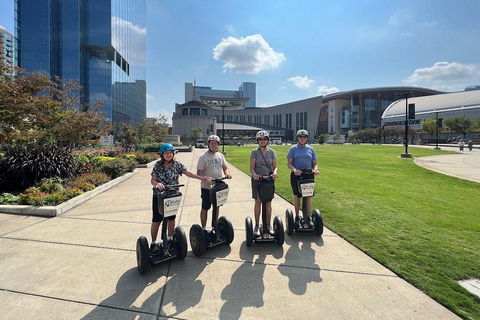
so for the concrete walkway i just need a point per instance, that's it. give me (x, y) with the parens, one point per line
(464, 165)
(82, 265)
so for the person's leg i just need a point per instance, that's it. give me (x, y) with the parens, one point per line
(296, 203)
(269, 218)
(203, 217)
(154, 230)
(170, 228)
(309, 205)
(256, 210)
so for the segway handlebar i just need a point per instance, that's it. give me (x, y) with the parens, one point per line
(220, 179)
(266, 177)
(172, 186)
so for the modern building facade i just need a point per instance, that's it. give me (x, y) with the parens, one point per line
(246, 90)
(101, 43)
(7, 48)
(362, 108)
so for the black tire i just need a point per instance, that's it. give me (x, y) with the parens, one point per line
(180, 239)
(318, 222)
(197, 240)
(249, 231)
(289, 221)
(225, 227)
(143, 255)
(279, 231)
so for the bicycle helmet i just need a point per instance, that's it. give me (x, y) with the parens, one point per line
(213, 138)
(166, 147)
(262, 134)
(302, 133)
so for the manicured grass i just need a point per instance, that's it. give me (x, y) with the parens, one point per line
(422, 225)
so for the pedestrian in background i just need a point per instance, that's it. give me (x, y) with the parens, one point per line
(461, 144)
(470, 145)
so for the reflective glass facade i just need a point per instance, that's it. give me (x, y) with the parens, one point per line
(100, 42)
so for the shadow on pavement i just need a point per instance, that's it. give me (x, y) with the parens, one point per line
(300, 257)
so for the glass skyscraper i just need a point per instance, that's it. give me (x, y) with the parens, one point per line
(102, 43)
(7, 48)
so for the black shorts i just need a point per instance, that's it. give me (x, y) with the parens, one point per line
(255, 188)
(206, 201)
(294, 184)
(157, 217)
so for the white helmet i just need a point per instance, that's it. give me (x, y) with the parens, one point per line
(213, 138)
(262, 134)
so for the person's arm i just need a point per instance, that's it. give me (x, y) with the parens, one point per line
(203, 177)
(315, 167)
(274, 165)
(196, 176)
(292, 168)
(252, 169)
(156, 184)
(227, 171)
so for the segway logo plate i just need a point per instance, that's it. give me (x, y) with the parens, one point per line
(171, 205)
(222, 196)
(307, 189)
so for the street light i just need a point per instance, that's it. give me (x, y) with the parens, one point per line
(406, 154)
(437, 124)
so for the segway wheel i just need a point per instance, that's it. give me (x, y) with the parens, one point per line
(318, 222)
(279, 231)
(289, 221)
(143, 255)
(249, 231)
(197, 240)
(180, 239)
(225, 227)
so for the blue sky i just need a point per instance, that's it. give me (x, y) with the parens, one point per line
(296, 50)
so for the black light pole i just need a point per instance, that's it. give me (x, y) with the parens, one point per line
(406, 154)
(223, 129)
(436, 132)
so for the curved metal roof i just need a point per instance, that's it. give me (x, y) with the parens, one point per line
(441, 102)
(347, 94)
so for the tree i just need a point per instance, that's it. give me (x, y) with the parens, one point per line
(430, 126)
(196, 133)
(462, 124)
(37, 111)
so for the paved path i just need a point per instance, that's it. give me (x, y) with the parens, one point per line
(82, 265)
(464, 165)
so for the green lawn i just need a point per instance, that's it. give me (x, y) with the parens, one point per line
(422, 225)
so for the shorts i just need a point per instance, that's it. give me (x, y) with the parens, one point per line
(255, 188)
(206, 201)
(294, 184)
(157, 217)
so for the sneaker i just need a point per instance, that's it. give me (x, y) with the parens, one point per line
(256, 231)
(171, 245)
(271, 231)
(154, 249)
(297, 222)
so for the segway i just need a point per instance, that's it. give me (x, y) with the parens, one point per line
(308, 223)
(222, 229)
(265, 192)
(168, 204)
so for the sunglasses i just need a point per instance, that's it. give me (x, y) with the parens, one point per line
(262, 139)
(302, 136)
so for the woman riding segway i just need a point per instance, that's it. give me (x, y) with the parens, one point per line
(301, 157)
(263, 162)
(165, 172)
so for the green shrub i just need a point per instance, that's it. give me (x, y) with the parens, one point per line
(54, 198)
(32, 196)
(82, 185)
(118, 167)
(144, 158)
(51, 185)
(96, 178)
(130, 156)
(8, 198)
(149, 147)
(100, 160)
(72, 193)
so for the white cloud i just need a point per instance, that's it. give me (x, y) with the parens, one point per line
(249, 55)
(264, 105)
(324, 90)
(156, 114)
(406, 34)
(301, 82)
(430, 24)
(444, 72)
(230, 29)
(149, 97)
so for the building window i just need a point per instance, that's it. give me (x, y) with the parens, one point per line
(185, 112)
(204, 112)
(194, 111)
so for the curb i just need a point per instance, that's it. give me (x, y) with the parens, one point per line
(53, 211)
(147, 165)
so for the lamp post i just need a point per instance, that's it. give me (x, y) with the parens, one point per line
(436, 131)
(406, 154)
(223, 128)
